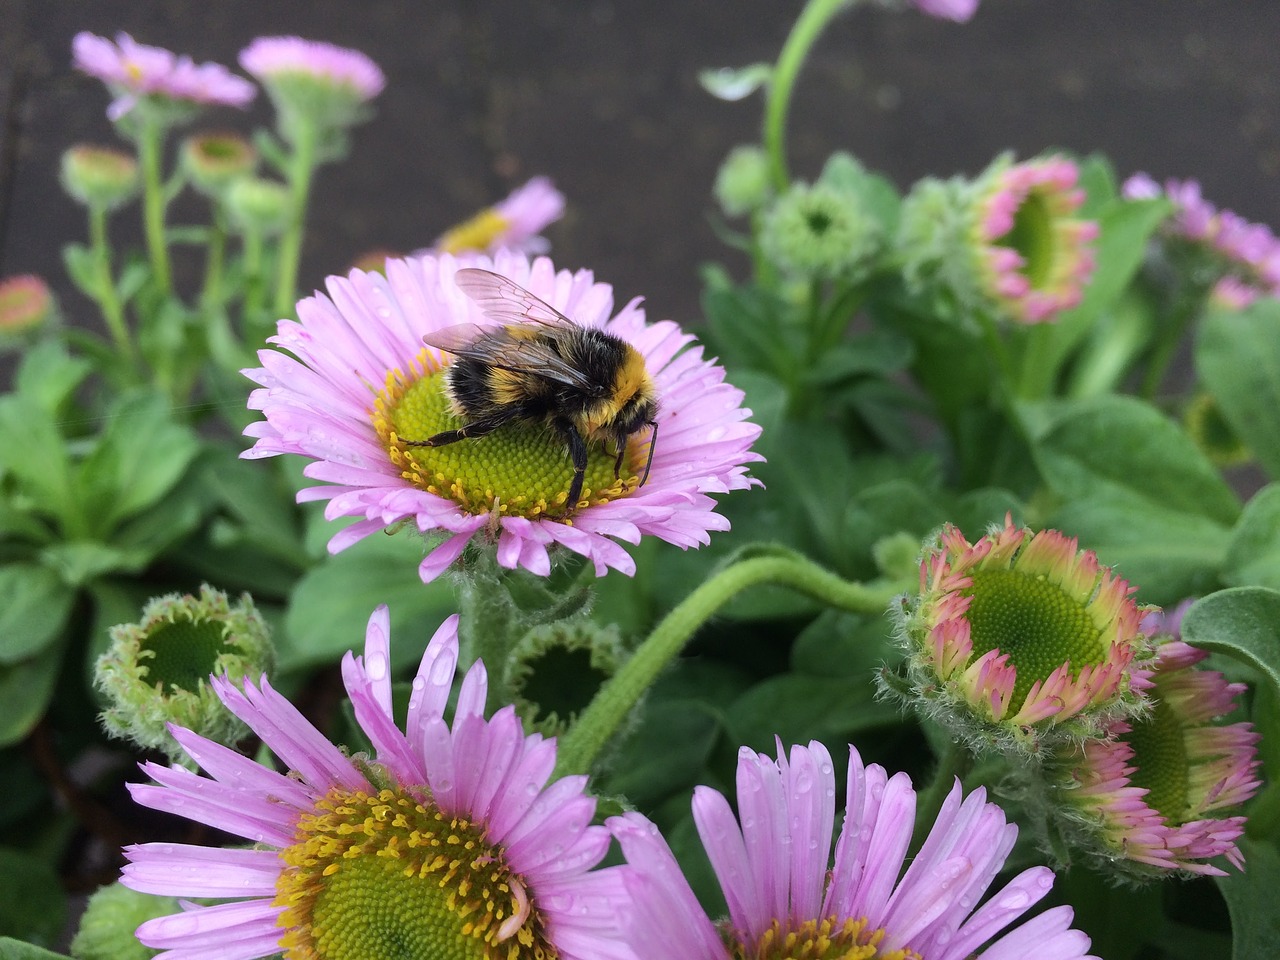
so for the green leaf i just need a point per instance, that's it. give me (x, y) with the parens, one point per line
(330, 606)
(25, 690)
(34, 605)
(32, 904)
(668, 753)
(1251, 900)
(132, 279)
(32, 450)
(844, 645)
(1237, 356)
(49, 374)
(78, 259)
(799, 708)
(1253, 556)
(1243, 623)
(1123, 449)
(748, 327)
(79, 561)
(139, 458)
(11, 949)
(1098, 181)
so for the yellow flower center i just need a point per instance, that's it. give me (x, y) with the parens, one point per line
(478, 233)
(829, 939)
(1033, 620)
(373, 877)
(520, 469)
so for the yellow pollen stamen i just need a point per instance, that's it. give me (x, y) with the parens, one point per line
(519, 470)
(477, 233)
(826, 939)
(390, 875)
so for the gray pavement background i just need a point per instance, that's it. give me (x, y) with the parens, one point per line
(603, 97)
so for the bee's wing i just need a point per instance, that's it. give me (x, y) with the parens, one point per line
(509, 348)
(505, 301)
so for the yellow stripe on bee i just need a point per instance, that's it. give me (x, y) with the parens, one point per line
(508, 386)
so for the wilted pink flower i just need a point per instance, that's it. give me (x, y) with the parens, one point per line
(361, 382)
(449, 834)
(787, 898)
(133, 70)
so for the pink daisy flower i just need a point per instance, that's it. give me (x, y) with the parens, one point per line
(1149, 800)
(1249, 252)
(958, 10)
(272, 59)
(361, 382)
(516, 223)
(1020, 638)
(133, 70)
(786, 896)
(448, 837)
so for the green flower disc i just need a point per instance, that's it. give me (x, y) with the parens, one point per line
(1034, 621)
(1160, 755)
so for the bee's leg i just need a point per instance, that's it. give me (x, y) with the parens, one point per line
(653, 445)
(476, 428)
(622, 452)
(578, 456)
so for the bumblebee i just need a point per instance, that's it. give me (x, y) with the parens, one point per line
(538, 367)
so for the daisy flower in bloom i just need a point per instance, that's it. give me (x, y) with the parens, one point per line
(1248, 252)
(310, 81)
(958, 10)
(784, 901)
(1019, 639)
(134, 70)
(446, 842)
(1008, 243)
(361, 383)
(1150, 799)
(516, 223)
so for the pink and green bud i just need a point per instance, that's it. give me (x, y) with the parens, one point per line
(1160, 794)
(258, 206)
(100, 178)
(213, 161)
(1019, 641)
(26, 306)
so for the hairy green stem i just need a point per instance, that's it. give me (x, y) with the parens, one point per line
(808, 27)
(211, 296)
(150, 144)
(301, 167)
(582, 744)
(108, 299)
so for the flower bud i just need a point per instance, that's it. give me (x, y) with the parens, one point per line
(214, 161)
(742, 182)
(156, 672)
(585, 651)
(99, 177)
(258, 206)
(26, 305)
(819, 232)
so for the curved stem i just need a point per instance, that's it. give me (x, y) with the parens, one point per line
(108, 300)
(1187, 309)
(211, 296)
(952, 765)
(808, 27)
(582, 744)
(150, 141)
(301, 167)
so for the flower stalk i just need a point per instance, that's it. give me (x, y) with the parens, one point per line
(584, 741)
(302, 166)
(150, 144)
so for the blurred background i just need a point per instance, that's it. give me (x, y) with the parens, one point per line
(603, 97)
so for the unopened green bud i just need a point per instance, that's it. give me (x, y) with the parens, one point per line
(157, 671)
(109, 921)
(214, 161)
(99, 177)
(742, 183)
(556, 669)
(819, 232)
(258, 206)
